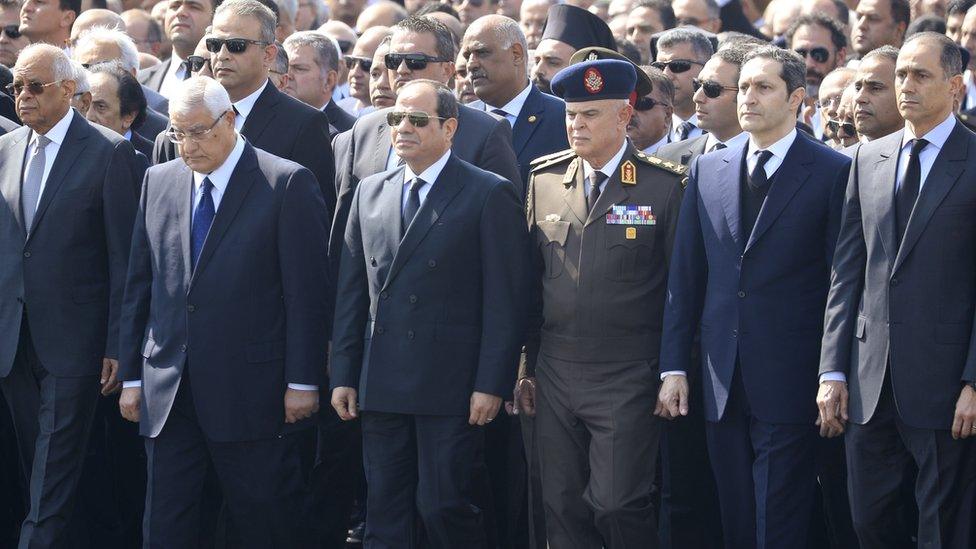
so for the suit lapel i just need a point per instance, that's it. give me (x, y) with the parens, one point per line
(788, 178)
(445, 188)
(261, 114)
(69, 151)
(948, 166)
(575, 194)
(382, 150)
(885, 173)
(13, 174)
(391, 220)
(524, 128)
(728, 189)
(184, 199)
(240, 183)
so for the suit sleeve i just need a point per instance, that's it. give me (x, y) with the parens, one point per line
(498, 155)
(164, 150)
(352, 306)
(836, 209)
(136, 300)
(687, 279)
(314, 151)
(120, 198)
(504, 264)
(345, 184)
(846, 282)
(303, 263)
(535, 271)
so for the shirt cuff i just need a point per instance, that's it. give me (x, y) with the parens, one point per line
(672, 373)
(131, 384)
(301, 387)
(833, 376)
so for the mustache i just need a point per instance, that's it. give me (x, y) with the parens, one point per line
(477, 73)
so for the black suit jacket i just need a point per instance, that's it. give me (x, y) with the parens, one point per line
(338, 117)
(8, 108)
(155, 101)
(152, 77)
(908, 308)
(421, 323)
(142, 144)
(683, 152)
(482, 139)
(7, 125)
(153, 125)
(733, 19)
(250, 318)
(69, 272)
(285, 127)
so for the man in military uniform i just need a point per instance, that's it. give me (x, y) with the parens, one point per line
(602, 217)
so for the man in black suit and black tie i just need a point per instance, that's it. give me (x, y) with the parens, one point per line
(429, 324)
(225, 327)
(118, 103)
(313, 65)
(898, 362)
(242, 50)
(70, 190)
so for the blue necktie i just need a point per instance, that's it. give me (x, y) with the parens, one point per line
(203, 216)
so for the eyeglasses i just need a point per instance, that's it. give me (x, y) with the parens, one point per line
(344, 45)
(819, 55)
(35, 88)
(12, 31)
(646, 103)
(418, 119)
(414, 61)
(830, 102)
(179, 136)
(234, 45)
(677, 66)
(364, 62)
(836, 126)
(713, 89)
(196, 63)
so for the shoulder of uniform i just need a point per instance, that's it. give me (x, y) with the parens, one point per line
(665, 165)
(551, 159)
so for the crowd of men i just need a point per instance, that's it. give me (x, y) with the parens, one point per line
(488, 274)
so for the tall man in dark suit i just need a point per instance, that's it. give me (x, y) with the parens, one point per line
(225, 326)
(70, 190)
(266, 117)
(313, 70)
(750, 271)
(898, 363)
(429, 323)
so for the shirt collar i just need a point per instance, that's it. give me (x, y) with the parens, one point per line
(220, 177)
(246, 105)
(128, 135)
(711, 140)
(677, 120)
(610, 166)
(514, 107)
(431, 173)
(779, 148)
(60, 130)
(175, 63)
(937, 136)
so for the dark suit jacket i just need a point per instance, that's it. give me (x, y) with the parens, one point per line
(338, 117)
(544, 134)
(7, 125)
(70, 271)
(153, 125)
(683, 152)
(142, 144)
(758, 299)
(482, 139)
(422, 323)
(152, 77)
(250, 318)
(911, 306)
(733, 19)
(156, 101)
(285, 127)
(8, 108)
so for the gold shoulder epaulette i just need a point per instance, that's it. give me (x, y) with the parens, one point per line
(666, 165)
(550, 159)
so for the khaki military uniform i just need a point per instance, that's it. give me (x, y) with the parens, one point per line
(597, 314)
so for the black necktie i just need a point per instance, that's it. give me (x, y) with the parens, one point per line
(596, 179)
(684, 129)
(717, 147)
(758, 179)
(908, 192)
(413, 202)
(185, 67)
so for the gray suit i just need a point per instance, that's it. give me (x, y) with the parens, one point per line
(153, 76)
(683, 152)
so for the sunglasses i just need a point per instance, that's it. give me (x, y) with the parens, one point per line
(646, 103)
(819, 55)
(472, 3)
(345, 45)
(677, 66)
(414, 61)
(836, 126)
(196, 63)
(234, 45)
(35, 88)
(365, 63)
(712, 88)
(12, 31)
(418, 119)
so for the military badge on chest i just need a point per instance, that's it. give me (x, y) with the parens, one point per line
(632, 215)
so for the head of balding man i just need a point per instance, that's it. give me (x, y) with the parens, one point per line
(495, 49)
(43, 86)
(96, 18)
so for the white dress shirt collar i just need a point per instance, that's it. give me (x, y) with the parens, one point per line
(936, 137)
(246, 105)
(711, 141)
(59, 131)
(431, 173)
(513, 107)
(778, 149)
(608, 168)
(220, 177)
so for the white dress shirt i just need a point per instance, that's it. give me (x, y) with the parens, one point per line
(429, 175)
(56, 134)
(969, 102)
(513, 107)
(174, 76)
(246, 105)
(676, 122)
(340, 92)
(606, 170)
(711, 141)
(653, 148)
(220, 178)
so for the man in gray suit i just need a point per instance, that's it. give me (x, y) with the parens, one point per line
(70, 190)
(898, 360)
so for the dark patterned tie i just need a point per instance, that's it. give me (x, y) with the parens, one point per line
(758, 178)
(907, 194)
(203, 216)
(596, 179)
(717, 147)
(501, 113)
(413, 203)
(684, 130)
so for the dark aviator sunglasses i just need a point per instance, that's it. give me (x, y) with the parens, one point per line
(819, 55)
(836, 126)
(712, 88)
(364, 63)
(677, 66)
(12, 31)
(414, 61)
(417, 119)
(234, 45)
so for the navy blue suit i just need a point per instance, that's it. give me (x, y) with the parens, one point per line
(421, 323)
(758, 300)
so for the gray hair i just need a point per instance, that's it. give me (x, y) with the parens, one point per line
(281, 60)
(887, 51)
(793, 69)
(61, 65)
(80, 76)
(699, 42)
(950, 58)
(447, 103)
(326, 52)
(129, 53)
(200, 91)
(252, 8)
(288, 8)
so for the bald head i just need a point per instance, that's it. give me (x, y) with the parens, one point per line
(449, 21)
(502, 30)
(338, 30)
(370, 39)
(496, 55)
(383, 13)
(96, 18)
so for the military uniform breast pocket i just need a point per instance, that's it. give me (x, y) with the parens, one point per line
(552, 242)
(630, 250)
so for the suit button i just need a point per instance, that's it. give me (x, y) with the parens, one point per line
(182, 348)
(410, 334)
(380, 329)
(431, 263)
(372, 261)
(741, 293)
(412, 299)
(190, 308)
(20, 300)
(735, 333)
(384, 295)
(27, 254)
